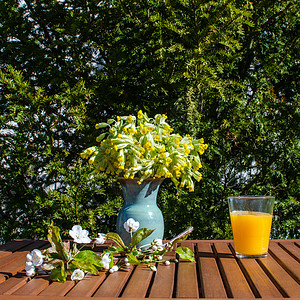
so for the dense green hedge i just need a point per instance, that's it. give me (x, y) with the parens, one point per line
(225, 70)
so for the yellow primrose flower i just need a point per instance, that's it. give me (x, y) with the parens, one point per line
(131, 130)
(157, 138)
(147, 145)
(141, 147)
(140, 114)
(169, 160)
(187, 151)
(177, 141)
(83, 155)
(144, 131)
(200, 177)
(89, 151)
(162, 155)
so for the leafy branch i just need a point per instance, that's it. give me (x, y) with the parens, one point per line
(61, 260)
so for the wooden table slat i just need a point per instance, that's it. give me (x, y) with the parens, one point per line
(33, 286)
(87, 286)
(211, 281)
(12, 256)
(187, 281)
(217, 274)
(15, 245)
(163, 284)
(12, 284)
(58, 288)
(291, 248)
(280, 277)
(235, 282)
(258, 279)
(290, 264)
(139, 282)
(114, 283)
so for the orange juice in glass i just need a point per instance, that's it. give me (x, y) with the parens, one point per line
(251, 220)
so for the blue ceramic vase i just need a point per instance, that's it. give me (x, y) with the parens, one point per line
(140, 204)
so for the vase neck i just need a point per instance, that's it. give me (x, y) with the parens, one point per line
(139, 193)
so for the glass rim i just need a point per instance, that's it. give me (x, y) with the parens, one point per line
(251, 197)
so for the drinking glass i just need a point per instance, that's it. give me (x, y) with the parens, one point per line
(251, 220)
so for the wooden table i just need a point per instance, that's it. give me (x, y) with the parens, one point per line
(217, 273)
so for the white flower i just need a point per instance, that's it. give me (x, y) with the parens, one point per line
(114, 269)
(131, 225)
(35, 257)
(154, 247)
(100, 239)
(77, 274)
(153, 268)
(106, 260)
(79, 235)
(159, 257)
(29, 268)
(47, 267)
(167, 262)
(158, 242)
(30, 271)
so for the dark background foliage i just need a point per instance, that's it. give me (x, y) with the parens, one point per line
(227, 71)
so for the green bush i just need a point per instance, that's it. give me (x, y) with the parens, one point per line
(223, 70)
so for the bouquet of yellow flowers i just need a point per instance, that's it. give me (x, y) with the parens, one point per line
(142, 147)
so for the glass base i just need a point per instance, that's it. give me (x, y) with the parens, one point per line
(239, 255)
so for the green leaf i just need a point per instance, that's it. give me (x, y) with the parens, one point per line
(89, 257)
(85, 266)
(59, 274)
(101, 125)
(140, 235)
(132, 259)
(54, 256)
(115, 250)
(56, 242)
(185, 253)
(116, 238)
(110, 121)
(182, 238)
(100, 137)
